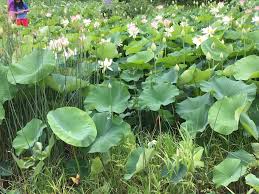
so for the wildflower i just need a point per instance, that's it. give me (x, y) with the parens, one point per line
(159, 7)
(87, 22)
(214, 10)
(96, 24)
(159, 18)
(103, 41)
(75, 18)
(152, 143)
(133, 30)
(227, 20)
(242, 2)
(168, 31)
(154, 24)
(167, 22)
(220, 5)
(48, 15)
(209, 31)
(106, 64)
(144, 19)
(69, 53)
(255, 20)
(64, 22)
(199, 40)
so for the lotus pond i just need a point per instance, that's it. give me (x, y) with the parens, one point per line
(95, 101)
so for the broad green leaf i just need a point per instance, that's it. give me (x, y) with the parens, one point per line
(255, 147)
(141, 57)
(107, 50)
(73, 126)
(243, 156)
(167, 76)
(195, 112)
(131, 75)
(2, 113)
(28, 135)
(216, 49)
(137, 161)
(174, 172)
(249, 125)
(32, 68)
(225, 113)
(228, 171)
(254, 36)
(253, 181)
(62, 83)
(155, 95)
(182, 56)
(110, 131)
(220, 87)
(108, 97)
(246, 68)
(136, 46)
(193, 75)
(7, 90)
(23, 164)
(96, 166)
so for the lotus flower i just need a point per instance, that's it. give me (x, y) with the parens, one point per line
(133, 30)
(106, 64)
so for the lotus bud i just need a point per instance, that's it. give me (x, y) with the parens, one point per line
(208, 56)
(212, 46)
(177, 68)
(38, 146)
(153, 46)
(109, 85)
(221, 55)
(164, 40)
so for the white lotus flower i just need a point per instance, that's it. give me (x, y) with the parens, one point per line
(220, 5)
(103, 41)
(159, 18)
(152, 144)
(69, 53)
(154, 24)
(255, 20)
(64, 22)
(209, 31)
(133, 30)
(159, 7)
(76, 17)
(227, 20)
(48, 15)
(106, 64)
(214, 10)
(184, 24)
(96, 24)
(168, 31)
(167, 22)
(87, 22)
(199, 40)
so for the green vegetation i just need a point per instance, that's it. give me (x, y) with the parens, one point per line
(151, 99)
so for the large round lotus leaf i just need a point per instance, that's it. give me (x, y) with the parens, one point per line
(2, 113)
(216, 49)
(166, 76)
(182, 56)
(6, 89)
(135, 46)
(73, 126)
(28, 136)
(195, 112)
(194, 75)
(247, 68)
(155, 95)
(62, 83)
(253, 181)
(228, 171)
(110, 131)
(249, 125)
(108, 97)
(131, 75)
(222, 86)
(107, 50)
(32, 68)
(141, 57)
(224, 114)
